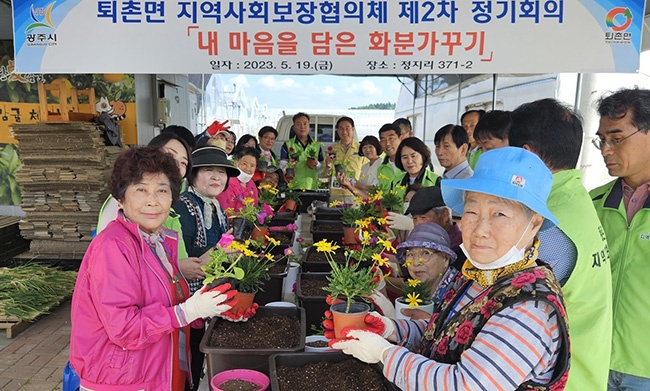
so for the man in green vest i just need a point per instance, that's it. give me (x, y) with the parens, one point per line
(623, 207)
(302, 155)
(389, 138)
(554, 132)
(468, 120)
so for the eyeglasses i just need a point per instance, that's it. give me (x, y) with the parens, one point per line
(268, 138)
(419, 254)
(612, 142)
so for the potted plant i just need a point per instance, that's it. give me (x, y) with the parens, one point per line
(264, 163)
(292, 161)
(392, 202)
(351, 280)
(349, 218)
(312, 151)
(415, 294)
(291, 199)
(249, 217)
(339, 165)
(268, 194)
(220, 267)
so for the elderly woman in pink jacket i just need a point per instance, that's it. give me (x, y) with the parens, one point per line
(130, 310)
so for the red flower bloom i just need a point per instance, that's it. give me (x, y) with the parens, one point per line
(557, 303)
(487, 309)
(443, 346)
(523, 279)
(464, 332)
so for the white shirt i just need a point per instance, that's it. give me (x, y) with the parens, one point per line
(369, 173)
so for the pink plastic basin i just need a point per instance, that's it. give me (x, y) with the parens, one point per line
(254, 377)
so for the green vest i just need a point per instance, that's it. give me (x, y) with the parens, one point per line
(629, 250)
(306, 178)
(385, 175)
(429, 179)
(472, 157)
(173, 222)
(587, 293)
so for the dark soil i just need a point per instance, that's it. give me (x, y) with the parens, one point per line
(327, 227)
(269, 332)
(278, 268)
(316, 257)
(283, 237)
(238, 385)
(317, 344)
(313, 288)
(348, 375)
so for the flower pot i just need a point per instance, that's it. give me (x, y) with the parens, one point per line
(339, 169)
(331, 231)
(314, 305)
(263, 165)
(272, 289)
(259, 234)
(242, 229)
(220, 359)
(426, 306)
(315, 262)
(317, 338)
(326, 213)
(349, 236)
(352, 319)
(290, 205)
(290, 173)
(255, 377)
(309, 196)
(244, 301)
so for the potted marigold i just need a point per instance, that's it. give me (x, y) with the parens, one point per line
(416, 295)
(249, 217)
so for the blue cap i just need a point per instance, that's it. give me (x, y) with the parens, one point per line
(511, 173)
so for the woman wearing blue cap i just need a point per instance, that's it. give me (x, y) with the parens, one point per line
(501, 324)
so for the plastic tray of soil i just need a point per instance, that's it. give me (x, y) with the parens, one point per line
(286, 239)
(315, 262)
(312, 298)
(273, 287)
(307, 197)
(248, 345)
(328, 371)
(326, 213)
(330, 230)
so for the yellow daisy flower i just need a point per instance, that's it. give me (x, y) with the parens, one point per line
(388, 246)
(381, 261)
(366, 238)
(325, 246)
(413, 283)
(269, 257)
(413, 300)
(335, 203)
(273, 241)
(362, 223)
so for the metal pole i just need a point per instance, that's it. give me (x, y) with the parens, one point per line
(495, 78)
(424, 120)
(460, 88)
(576, 103)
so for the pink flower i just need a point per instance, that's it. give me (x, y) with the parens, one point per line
(487, 309)
(300, 240)
(464, 332)
(292, 227)
(523, 279)
(557, 303)
(330, 148)
(260, 217)
(225, 240)
(288, 251)
(443, 346)
(267, 209)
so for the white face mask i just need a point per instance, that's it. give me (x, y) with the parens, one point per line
(406, 206)
(244, 177)
(511, 256)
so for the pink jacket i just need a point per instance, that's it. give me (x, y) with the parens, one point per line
(235, 193)
(122, 317)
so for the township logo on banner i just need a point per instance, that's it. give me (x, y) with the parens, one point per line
(330, 37)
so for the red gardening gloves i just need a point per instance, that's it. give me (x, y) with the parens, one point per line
(242, 315)
(216, 127)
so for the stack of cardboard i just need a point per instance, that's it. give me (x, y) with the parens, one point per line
(65, 181)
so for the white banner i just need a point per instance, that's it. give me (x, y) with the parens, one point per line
(327, 37)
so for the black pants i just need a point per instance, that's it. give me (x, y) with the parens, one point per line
(197, 358)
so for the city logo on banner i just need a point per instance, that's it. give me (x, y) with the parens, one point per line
(618, 20)
(41, 21)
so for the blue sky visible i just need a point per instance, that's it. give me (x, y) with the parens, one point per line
(317, 91)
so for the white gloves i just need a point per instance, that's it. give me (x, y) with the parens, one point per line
(366, 346)
(207, 303)
(382, 303)
(399, 221)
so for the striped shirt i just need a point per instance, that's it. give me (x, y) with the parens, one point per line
(517, 344)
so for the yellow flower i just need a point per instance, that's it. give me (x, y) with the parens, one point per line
(413, 300)
(269, 257)
(366, 238)
(408, 263)
(413, 283)
(381, 261)
(325, 246)
(382, 221)
(362, 223)
(388, 246)
(336, 203)
(273, 241)
(237, 246)
(357, 200)
(377, 196)
(248, 253)
(248, 201)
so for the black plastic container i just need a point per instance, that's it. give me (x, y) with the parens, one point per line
(223, 359)
(308, 265)
(318, 232)
(331, 214)
(302, 359)
(307, 197)
(272, 288)
(315, 306)
(242, 229)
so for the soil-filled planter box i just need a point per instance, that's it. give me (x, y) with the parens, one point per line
(272, 330)
(282, 219)
(307, 197)
(315, 262)
(309, 371)
(331, 214)
(286, 239)
(330, 230)
(312, 298)
(273, 287)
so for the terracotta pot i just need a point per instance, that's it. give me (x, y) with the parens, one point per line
(400, 304)
(259, 234)
(244, 301)
(290, 205)
(349, 236)
(353, 319)
(242, 229)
